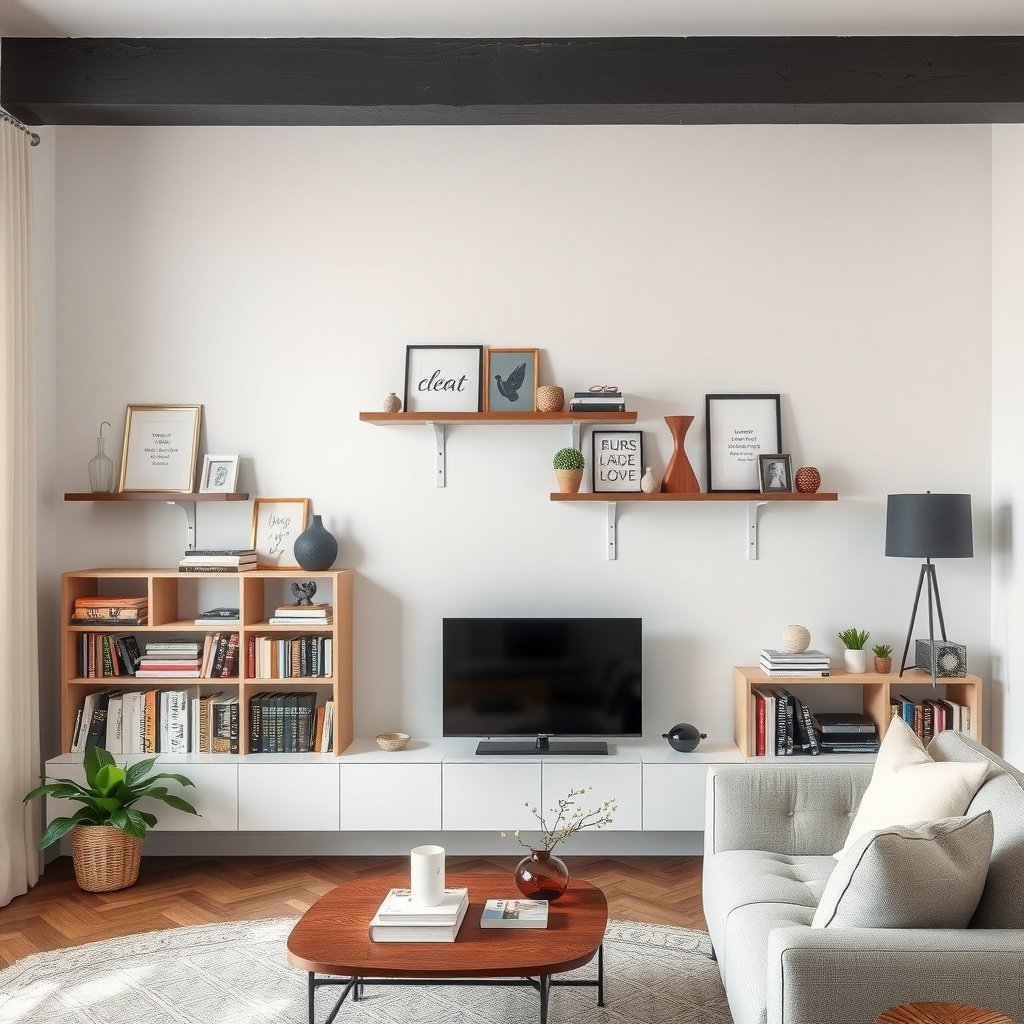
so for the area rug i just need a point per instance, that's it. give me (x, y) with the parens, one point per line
(236, 973)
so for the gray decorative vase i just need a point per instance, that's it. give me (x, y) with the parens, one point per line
(316, 548)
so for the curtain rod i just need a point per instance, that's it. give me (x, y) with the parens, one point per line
(33, 138)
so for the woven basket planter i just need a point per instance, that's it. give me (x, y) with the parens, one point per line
(105, 858)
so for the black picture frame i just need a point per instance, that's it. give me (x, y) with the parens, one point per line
(466, 361)
(738, 428)
(601, 468)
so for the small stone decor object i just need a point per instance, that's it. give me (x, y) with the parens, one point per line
(795, 640)
(550, 398)
(392, 740)
(392, 403)
(647, 482)
(684, 737)
(304, 592)
(808, 480)
(315, 548)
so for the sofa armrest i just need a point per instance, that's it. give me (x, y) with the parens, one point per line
(850, 975)
(800, 810)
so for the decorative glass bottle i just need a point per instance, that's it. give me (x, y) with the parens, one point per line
(542, 876)
(101, 469)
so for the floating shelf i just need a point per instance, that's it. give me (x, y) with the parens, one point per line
(753, 500)
(439, 420)
(185, 500)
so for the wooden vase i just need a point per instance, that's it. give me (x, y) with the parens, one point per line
(679, 476)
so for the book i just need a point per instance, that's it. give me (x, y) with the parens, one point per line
(380, 932)
(515, 914)
(808, 727)
(198, 567)
(97, 734)
(193, 559)
(304, 611)
(224, 726)
(215, 552)
(115, 724)
(792, 673)
(844, 722)
(190, 673)
(132, 616)
(774, 655)
(577, 405)
(284, 620)
(217, 616)
(398, 908)
(108, 601)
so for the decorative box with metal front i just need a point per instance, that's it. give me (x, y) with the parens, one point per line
(949, 659)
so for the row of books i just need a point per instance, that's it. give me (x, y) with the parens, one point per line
(107, 654)
(782, 664)
(110, 611)
(784, 726)
(398, 919)
(290, 723)
(290, 657)
(931, 716)
(218, 560)
(597, 401)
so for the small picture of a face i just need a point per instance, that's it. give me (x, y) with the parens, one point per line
(220, 475)
(776, 474)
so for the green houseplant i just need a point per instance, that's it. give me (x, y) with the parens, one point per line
(883, 657)
(107, 830)
(855, 658)
(569, 465)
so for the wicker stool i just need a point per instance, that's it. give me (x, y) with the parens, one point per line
(940, 1013)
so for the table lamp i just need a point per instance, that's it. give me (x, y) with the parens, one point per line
(928, 526)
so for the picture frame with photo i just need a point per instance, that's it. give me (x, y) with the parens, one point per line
(617, 460)
(276, 522)
(738, 429)
(512, 375)
(219, 475)
(443, 378)
(161, 443)
(775, 474)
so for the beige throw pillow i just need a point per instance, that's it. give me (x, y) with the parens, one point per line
(908, 786)
(930, 875)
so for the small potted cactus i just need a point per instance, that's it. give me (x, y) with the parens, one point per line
(855, 658)
(883, 658)
(569, 464)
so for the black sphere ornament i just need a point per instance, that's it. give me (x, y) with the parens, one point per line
(684, 737)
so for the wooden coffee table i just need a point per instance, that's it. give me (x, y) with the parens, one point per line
(332, 938)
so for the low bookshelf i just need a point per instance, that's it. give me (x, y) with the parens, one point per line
(875, 691)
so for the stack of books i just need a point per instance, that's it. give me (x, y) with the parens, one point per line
(846, 732)
(321, 614)
(110, 611)
(398, 919)
(782, 665)
(218, 560)
(597, 401)
(171, 659)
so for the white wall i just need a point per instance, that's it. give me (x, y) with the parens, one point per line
(275, 275)
(1007, 425)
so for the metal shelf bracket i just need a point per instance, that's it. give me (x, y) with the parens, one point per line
(439, 451)
(189, 508)
(576, 434)
(753, 514)
(613, 530)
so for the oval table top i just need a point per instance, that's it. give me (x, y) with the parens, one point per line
(332, 937)
(940, 1013)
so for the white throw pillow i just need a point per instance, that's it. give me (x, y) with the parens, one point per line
(908, 786)
(930, 875)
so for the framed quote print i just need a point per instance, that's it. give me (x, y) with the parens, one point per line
(276, 522)
(617, 461)
(160, 447)
(443, 378)
(739, 429)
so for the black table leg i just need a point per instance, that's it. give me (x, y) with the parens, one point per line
(311, 992)
(545, 992)
(600, 975)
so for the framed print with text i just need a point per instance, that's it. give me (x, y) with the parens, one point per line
(276, 522)
(739, 428)
(617, 461)
(511, 379)
(443, 378)
(160, 447)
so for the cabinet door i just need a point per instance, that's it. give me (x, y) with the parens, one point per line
(391, 797)
(674, 797)
(619, 782)
(489, 797)
(289, 797)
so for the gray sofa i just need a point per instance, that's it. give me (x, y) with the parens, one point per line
(770, 833)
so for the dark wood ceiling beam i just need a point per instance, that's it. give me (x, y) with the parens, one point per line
(696, 80)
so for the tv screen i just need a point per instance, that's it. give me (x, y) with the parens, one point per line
(555, 676)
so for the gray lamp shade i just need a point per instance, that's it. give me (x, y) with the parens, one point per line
(929, 526)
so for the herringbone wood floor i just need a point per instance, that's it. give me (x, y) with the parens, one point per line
(174, 891)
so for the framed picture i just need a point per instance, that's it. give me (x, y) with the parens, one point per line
(617, 461)
(512, 379)
(160, 447)
(443, 378)
(220, 474)
(775, 473)
(276, 522)
(739, 428)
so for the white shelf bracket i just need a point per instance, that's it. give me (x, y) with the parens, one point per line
(613, 530)
(189, 508)
(439, 450)
(576, 432)
(753, 512)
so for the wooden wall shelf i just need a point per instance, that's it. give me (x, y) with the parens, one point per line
(754, 501)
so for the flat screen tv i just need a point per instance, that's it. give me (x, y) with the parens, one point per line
(534, 679)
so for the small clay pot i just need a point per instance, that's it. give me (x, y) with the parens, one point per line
(883, 665)
(569, 480)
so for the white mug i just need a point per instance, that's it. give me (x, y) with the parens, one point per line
(426, 869)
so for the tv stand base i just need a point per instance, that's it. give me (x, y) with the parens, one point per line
(544, 747)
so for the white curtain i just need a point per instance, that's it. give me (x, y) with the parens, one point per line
(19, 683)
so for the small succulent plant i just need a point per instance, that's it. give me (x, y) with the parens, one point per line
(569, 458)
(854, 639)
(882, 650)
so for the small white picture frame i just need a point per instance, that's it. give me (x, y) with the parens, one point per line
(220, 474)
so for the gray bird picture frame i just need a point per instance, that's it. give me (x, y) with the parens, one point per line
(511, 379)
